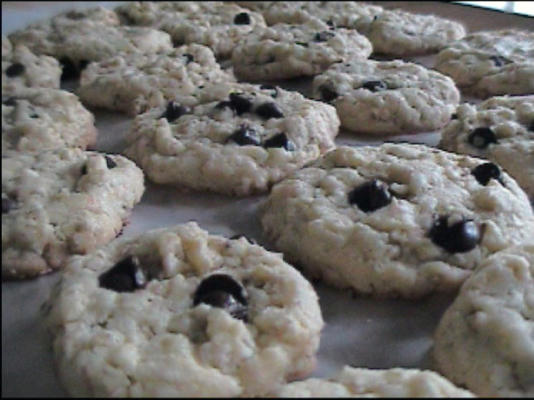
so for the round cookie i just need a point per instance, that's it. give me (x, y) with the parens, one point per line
(362, 382)
(341, 14)
(177, 312)
(484, 340)
(395, 220)
(387, 97)
(132, 83)
(21, 68)
(485, 64)
(238, 139)
(76, 43)
(216, 24)
(40, 119)
(500, 129)
(62, 202)
(401, 33)
(285, 51)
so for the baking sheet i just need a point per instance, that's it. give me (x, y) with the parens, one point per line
(358, 331)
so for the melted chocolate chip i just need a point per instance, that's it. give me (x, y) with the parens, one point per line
(482, 137)
(274, 90)
(10, 101)
(110, 163)
(269, 110)
(189, 58)
(15, 69)
(484, 172)
(69, 69)
(221, 290)
(125, 276)
(7, 205)
(323, 36)
(245, 136)
(83, 64)
(84, 169)
(460, 237)
(279, 140)
(242, 19)
(240, 104)
(370, 196)
(174, 111)
(327, 93)
(499, 61)
(375, 86)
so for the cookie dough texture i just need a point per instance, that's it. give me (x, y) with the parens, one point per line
(21, 68)
(284, 51)
(196, 151)
(216, 24)
(362, 382)
(34, 120)
(490, 63)
(388, 252)
(412, 98)
(484, 340)
(79, 41)
(511, 120)
(51, 209)
(154, 342)
(401, 33)
(341, 14)
(133, 83)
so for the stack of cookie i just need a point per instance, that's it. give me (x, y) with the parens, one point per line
(178, 311)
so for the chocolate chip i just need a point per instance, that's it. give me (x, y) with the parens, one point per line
(323, 36)
(240, 235)
(240, 104)
(482, 137)
(34, 116)
(460, 237)
(174, 111)
(327, 93)
(375, 86)
(76, 15)
(69, 69)
(7, 205)
(499, 61)
(10, 101)
(15, 69)
(274, 90)
(454, 116)
(221, 290)
(83, 64)
(242, 19)
(303, 44)
(110, 163)
(189, 58)
(269, 110)
(279, 140)
(245, 136)
(330, 22)
(531, 127)
(370, 196)
(125, 276)
(484, 172)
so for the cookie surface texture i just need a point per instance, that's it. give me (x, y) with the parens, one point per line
(180, 312)
(387, 97)
(59, 203)
(238, 139)
(394, 220)
(484, 340)
(500, 129)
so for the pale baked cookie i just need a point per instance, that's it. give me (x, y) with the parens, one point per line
(285, 51)
(387, 97)
(238, 139)
(484, 340)
(132, 83)
(500, 129)
(387, 383)
(401, 33)
(21, 68)
(216, 24)
(62, 202)
(491, 63)
(341, 14)
(395, 220)
(78, 42)
(177, 312)
(44, 119)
